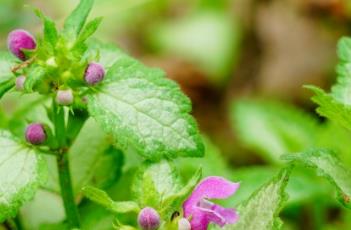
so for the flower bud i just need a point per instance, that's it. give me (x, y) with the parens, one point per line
(20, 82)
(94, 73)
(64, 97)
(18, 40)
(184, 224)
(35, 134)
(148, 219)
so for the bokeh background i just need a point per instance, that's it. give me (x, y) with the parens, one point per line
(243, 63)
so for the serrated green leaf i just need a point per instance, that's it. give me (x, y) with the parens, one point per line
(75, 21)
(272, 128)
(331, 108)
(21, 170)
(35, 75)
(101, 197)
(329, 166)
(261, 210)
(142, 109)
(50, 31)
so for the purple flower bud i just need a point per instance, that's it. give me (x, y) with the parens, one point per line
(184, 224)
(18, 40)
(35, 134)
(148, 219)
(64, 97)
(20, 82)
(94, 73)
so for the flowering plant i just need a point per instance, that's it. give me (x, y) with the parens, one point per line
(104, 134)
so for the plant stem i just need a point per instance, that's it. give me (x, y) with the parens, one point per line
(67, 190)
(67, 194)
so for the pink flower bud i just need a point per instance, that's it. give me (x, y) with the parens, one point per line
(18, 40)
(148, 219)
(94, 73)
(35, 134)
(20, 82)
(64, 97)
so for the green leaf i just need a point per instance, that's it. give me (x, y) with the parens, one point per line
(173, 203)
(107, 54)
(89, 29)
(272, 128)
(331, 108)
(46, 207)
(261, 210)
(155, 182)
(35, 76)
(75, 21)
(92, 162)
(101, 197)
(7, 78)
(96, 217)
(21, 172)
(330, 167)
(142, 109)
(50, 31)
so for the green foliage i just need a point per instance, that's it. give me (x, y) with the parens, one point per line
(50, 31)
(101, 197)
(331, 108)
(329, 166)
(7, 78)
(142, 109)
(46, 207)
(261, 210)
(272, 128)
(75, 22)
(21, 170)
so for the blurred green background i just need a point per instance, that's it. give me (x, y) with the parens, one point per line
(243, 63)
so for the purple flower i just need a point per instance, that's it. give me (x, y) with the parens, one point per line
(201, 211)
(148, 219)
(35, 134)
(20, 82)
(94, 73)
(18, 40)
(64, 97)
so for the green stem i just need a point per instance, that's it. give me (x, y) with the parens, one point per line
(67, 190)
(67, 194)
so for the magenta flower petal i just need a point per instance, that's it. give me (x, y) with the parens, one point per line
(202, 212)
(18, 40)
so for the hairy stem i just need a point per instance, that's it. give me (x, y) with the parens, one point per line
(67, 194)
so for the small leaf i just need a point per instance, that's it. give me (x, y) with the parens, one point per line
(261, 210)
(142, 109)
(75, 22)
(173, 203)
(330, 167)
(7, 78)
(331, 108)
(35, 76)
(101, 197)
(21, 172)
(50, 31)
(89, 30)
